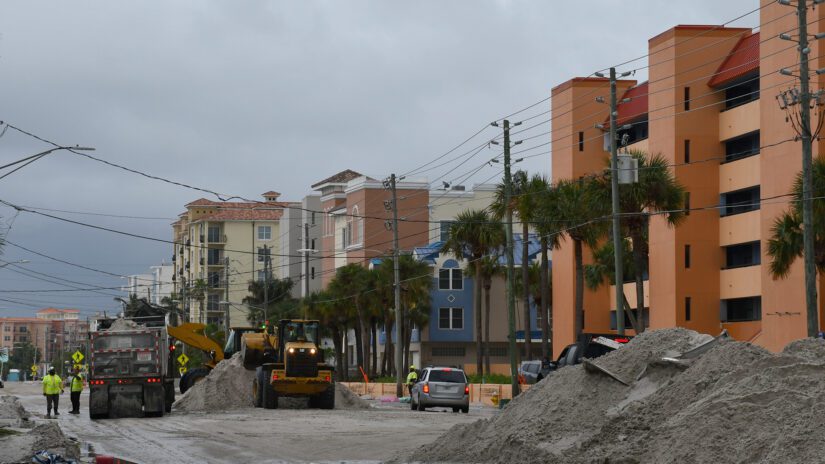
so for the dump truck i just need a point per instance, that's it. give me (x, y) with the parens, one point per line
(288, 362)
(192, 334)
(130, 373)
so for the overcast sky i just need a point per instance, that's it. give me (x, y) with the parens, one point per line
(246, 97)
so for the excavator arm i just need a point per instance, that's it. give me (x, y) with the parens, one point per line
(191, 333)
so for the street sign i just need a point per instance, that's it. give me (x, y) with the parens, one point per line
(182, 370)
(34, 368)
(183, 359)
(78, 357)
(78, 367)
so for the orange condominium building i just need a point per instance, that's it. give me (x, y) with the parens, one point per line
(710, 108)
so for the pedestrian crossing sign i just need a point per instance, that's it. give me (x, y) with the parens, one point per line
(34, 368)
(78, 357)
(182, 370)
(183, 359)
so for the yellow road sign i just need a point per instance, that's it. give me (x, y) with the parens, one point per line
(182, 370)
(183, 359)
(78, 367)
(34, 368)
(78, 357)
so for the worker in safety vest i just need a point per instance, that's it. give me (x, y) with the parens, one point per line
(412, 378)
(52, 388)
(75, 389)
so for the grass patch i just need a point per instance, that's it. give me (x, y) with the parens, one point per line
(4, 432)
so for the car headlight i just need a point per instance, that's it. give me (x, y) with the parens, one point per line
(312, 351)
(292, 351)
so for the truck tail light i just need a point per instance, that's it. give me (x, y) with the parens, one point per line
(96, 382)
(153, 380)
(426, 388)
(326, 378)
(275, 376)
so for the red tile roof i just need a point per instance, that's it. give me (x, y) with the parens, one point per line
(271, 193)
(636, 108)
(340, 178)
(743, 59)
(55, 310)
(201, 202)
(240, 211)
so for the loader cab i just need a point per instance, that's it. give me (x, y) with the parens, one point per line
(233, 343)
(297, 336)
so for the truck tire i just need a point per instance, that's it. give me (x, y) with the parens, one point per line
(192, 377)
(326, 400)
(183, 385)
(169, 390)
(257, 391)
(269, 396)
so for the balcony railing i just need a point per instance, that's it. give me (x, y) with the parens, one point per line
(216, 238)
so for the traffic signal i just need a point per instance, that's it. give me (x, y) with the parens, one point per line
(172, 346)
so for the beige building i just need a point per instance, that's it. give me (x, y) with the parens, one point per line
(52, 331)
(220, 247)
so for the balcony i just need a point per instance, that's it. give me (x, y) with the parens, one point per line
(740, 282)
(740, 174)
(216, 239)
(739, 228)
(739, 121)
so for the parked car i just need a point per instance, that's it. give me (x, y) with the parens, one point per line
(441, 387)
(531, 372)
(590, 346)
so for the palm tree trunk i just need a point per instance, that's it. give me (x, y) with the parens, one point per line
(577, 246)
(525, 278)
(477, 303)
(639, 264)
(545, 300)
(387, 364)
(359, 347)
(487, 284)
(339, 352)
(346, 355)
(374, 336)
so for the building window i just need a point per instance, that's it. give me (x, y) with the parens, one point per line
(264, 232)
(687, 151)
(741, 255)
(263, 252)
(742, 147)
(448, 351)
(214, 234)
(261, 276)
(445, 230)
(312, 273)
(7, 328)
(687, 204)
(741, 309)
(214, 256)
(743, 93)
(212, 302)
(739, 201)
(450, 279)
(687, 98)
(312, 220)
(451, 318)
(312, 244)
(581, 141)
(687, 308)
(23, 329)
(687, 256)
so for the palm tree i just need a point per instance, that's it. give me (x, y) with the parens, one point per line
(474, 234)
(574, 210)
(548, 232)
(353, 280)
(489, 269)
(416, 282)
(198, 292)
(657, 191)
(524, 203)
(785, 244)
(266, 300)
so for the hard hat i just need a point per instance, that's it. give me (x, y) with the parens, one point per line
(412, 368)
(51, 370)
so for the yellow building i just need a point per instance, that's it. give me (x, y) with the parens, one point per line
(221, 246)
(709, 108)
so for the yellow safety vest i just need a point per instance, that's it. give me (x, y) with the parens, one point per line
(52, 384)
(412, 377)
(77, 383)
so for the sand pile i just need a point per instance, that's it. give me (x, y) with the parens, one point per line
(124, 324)
(19, 444)
(12, 413)
(735, 403)
(228, 386)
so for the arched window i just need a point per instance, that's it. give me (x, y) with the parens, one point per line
(450, 276)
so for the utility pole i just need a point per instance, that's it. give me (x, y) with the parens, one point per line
(307, 251)
(397, 287)
(508, 231)
(266, 283)
(618, 249)
(226, 297)
(802, 126)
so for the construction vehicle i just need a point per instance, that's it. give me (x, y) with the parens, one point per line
(130, 373)
(192, 334)
(288, 362)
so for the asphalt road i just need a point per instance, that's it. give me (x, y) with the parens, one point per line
(253, 435)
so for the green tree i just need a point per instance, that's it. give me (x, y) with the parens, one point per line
(416, 283)
(22, 357)
(276, 294)
(474, 234)
(524, 203)
(547, 228)
(785, 244)
(198, 292)
(574, 208)
(354, 280)
(657, 191)
(489, 269)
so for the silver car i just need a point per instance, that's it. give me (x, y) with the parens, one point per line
(441, 387)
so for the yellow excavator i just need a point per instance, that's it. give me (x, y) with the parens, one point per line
(192, 334)
(289, 362)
